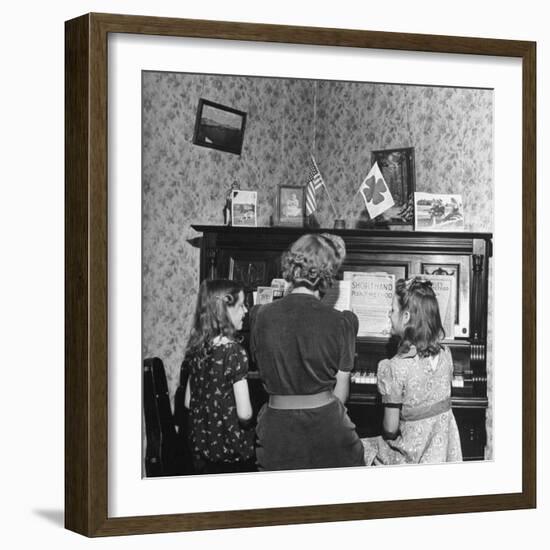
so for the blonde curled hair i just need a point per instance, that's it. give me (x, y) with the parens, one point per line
(313, 261)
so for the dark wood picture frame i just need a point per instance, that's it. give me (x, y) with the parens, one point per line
(401, 180)
(86, 278)
(214, 128)
(283, 216)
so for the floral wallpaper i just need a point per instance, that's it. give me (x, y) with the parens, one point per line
(451, 130)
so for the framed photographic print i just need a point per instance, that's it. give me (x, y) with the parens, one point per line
(397, 167)
(219, 127)
(243, 208)
(291, 205)
(438, 212)
(136, 184)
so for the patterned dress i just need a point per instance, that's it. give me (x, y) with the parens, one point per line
(421, 387)
(216, 435)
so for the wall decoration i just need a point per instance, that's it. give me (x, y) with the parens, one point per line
(219, 127)
(376, 193)
(438, 212)
(244, 208)
(397, 167)
(291, 201)
(227, 205)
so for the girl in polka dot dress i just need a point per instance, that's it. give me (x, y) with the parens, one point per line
(216, 392)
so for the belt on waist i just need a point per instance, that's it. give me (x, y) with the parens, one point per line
(427, 411)
(301, 401)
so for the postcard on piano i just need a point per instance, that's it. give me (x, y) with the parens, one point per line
(264, 295)
(280, 287)
(438, 212)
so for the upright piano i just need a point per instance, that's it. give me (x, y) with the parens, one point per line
(252, 255)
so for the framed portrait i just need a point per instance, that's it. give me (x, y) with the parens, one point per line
(291, 205)
(219, 127)
(132, 264)
(397, 167)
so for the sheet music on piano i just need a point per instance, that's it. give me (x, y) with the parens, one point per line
(371, 301)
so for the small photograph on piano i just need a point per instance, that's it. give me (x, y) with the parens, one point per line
(438, 212)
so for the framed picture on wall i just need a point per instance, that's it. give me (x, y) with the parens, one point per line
(219, 127)
(105, 490)
(291, 205)
(397, 167)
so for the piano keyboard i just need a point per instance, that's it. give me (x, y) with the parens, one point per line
(458, 382)
(363, 377)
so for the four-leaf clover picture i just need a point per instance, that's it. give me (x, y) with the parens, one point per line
(375, 189)
(376, 193)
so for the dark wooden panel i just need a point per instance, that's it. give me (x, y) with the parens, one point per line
(77, 488)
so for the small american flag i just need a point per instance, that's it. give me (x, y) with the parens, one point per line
(314, 182)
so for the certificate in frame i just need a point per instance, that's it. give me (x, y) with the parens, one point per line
(87, 286)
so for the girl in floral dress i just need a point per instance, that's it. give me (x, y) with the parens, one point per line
(215, 368)
(415, 385)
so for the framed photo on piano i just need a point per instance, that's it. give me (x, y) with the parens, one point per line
(291, 205)
(108, 58)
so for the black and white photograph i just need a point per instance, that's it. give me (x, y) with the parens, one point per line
(288, 382)
(208, 378)
(438, 212)
(398, 169)
(219, 127)
(244, 208)
(291, 205)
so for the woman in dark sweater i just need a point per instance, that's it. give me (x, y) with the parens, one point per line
(304, 350)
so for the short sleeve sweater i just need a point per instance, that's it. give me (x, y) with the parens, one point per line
(299, 344)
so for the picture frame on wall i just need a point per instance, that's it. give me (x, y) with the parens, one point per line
(398, 168)
(104, 492)
(291, 205)
(219, 127)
